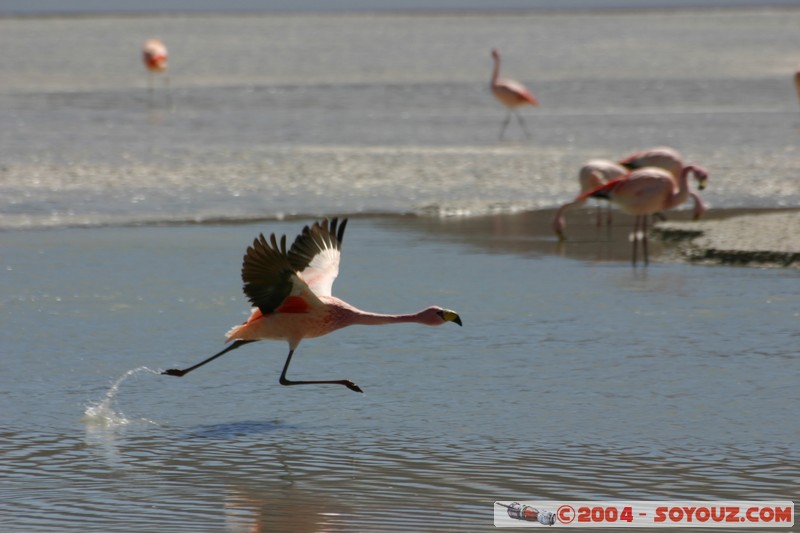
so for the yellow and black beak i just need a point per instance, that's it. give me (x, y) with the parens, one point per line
(450, 316)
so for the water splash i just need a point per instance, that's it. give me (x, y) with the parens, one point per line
(103, 413)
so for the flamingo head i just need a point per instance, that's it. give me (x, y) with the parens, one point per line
(700, 175)
(436, 316)
(495, 53)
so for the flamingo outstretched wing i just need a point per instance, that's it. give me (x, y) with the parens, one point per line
(272, 275)
(315, 254)
(268, 276)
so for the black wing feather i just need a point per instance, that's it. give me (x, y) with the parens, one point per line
(313, 239)
(267, 273)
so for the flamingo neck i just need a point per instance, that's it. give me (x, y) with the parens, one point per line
(365, 318)
(496, 70)
(682, 193)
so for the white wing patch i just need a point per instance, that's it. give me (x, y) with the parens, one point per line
(322, 271)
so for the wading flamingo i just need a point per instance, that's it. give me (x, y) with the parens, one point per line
(511, 94)
(670, 160)
(797, 81)
(291, 292)
(154, 55)
(641, 193)
(595, 173)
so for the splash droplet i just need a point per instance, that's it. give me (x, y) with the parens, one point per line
(103, 413)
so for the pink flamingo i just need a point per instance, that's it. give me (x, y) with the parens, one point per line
(641, 193)
(797, 81)
(511, 94)
(668, 159)
(291, 292)
(154, 55)
(595, 173)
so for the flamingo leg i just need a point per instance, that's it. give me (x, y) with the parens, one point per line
(599, 207)
(505, 124)
(346, 382)
(522, 123)
(644, 239)
(181, 373)
(635, 237)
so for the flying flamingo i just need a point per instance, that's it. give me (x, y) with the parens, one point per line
(642, 193)
(291, 292)
(670, 160)
(154, 55)
(511, 94)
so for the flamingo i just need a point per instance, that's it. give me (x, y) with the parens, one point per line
(670, 160)
(595, 173)
(291, 292)
(154, 55)
(641, 193)
(511, 94)
(797, 81)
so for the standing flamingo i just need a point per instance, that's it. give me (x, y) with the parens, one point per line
(660, 156)
(670, 160)
(291, 292)
(797, 81)
(154, 55)
(595, 173)
(511, 94)
(642, 193)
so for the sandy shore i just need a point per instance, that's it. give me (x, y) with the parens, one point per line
(759, 238)
(725, 236)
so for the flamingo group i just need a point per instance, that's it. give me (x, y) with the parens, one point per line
(511, 94)
(155, 56)
(641, 193)
(291, 294)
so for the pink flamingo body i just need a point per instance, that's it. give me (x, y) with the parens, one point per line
(291, 291)
(797, 81)
(595, 173)
(641, 193)
(511, 94)
(155, 56)
(668, 159)
(661, 156)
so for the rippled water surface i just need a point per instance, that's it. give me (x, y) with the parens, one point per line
(568, 380)
(124, 216)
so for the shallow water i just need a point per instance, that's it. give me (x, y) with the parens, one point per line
(124, 216)
(569, 380)
(276, 115)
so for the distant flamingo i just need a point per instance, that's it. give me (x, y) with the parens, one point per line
(154, 55)
(597, 172)
(797, 81)
(670, 160)
(511, 94)
(641, 193)
(291, 292)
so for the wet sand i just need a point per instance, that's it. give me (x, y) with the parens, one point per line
(755, 237)
(738, 237)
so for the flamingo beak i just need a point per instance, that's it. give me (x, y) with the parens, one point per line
(450, 316)
(701, 183)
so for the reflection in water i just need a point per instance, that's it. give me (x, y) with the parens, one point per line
(249, 509)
